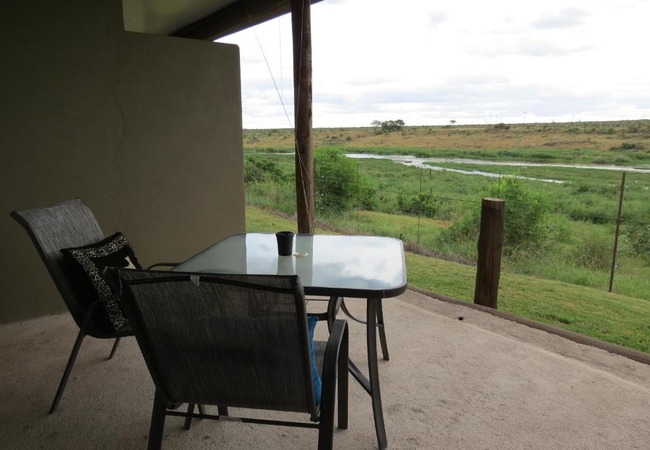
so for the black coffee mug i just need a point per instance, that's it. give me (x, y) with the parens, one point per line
(285, 242)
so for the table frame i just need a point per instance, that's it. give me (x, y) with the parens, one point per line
(374, 321)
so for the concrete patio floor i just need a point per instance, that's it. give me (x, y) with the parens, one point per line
(482, 382)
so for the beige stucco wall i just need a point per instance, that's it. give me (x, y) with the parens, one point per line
(145, 129)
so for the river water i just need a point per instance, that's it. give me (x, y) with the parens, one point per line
(413, 161)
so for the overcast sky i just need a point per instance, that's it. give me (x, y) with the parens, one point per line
(428, 62)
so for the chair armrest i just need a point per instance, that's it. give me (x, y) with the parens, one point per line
(336, 357)
(337, 340)
(163, 264)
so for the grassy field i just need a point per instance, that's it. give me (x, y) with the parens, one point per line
(582, 225)
(562, 280)
(613, 318)
(565, 264)
(624, 142)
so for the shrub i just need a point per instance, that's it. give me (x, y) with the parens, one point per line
(460, 239)
(639, 235)
(525, 220)
(257, 169)
(628, 146)
(593, 252)
(366, 194)
(422, 204)
(581, 187)
(526, 213)
(387, 203)
(338, 185)
(465, 229)
(501, 126)
(387, 126)
(392, 125)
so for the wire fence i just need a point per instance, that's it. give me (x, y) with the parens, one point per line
(597, 230)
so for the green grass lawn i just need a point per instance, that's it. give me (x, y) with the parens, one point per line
(592, 312)
(577, 237)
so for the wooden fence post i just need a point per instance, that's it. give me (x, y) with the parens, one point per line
(490, 248)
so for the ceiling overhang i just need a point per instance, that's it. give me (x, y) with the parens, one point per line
(200, 19)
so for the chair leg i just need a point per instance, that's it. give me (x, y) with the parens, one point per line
(202, 409)
(188, 418)
(333, 369)
(223, 410)
(157, 423)
(117, 342)
(343, 382)
(68, 369)
(326, 430)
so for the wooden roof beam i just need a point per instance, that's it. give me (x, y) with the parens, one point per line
(235, 17)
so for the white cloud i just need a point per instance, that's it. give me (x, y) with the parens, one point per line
(528, 47)
(372, 59)
(437, 18)
(566, 18)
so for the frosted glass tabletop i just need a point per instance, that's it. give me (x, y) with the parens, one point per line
(347, 266)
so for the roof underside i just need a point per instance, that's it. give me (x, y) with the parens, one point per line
(200, 19)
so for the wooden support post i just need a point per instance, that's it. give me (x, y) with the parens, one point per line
(302, 88)
(490, 248)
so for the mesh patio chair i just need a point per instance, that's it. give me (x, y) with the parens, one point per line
(235, 340)
(65, 225)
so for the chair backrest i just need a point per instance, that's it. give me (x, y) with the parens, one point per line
(51, 228)
(232, 340)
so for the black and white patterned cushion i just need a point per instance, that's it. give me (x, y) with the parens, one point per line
(114, 251)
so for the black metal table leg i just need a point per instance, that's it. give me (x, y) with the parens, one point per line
(380, 323)
(382, 331)
(371, 383)
(373, 372)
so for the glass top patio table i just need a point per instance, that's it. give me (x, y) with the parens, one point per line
(369, 267)
(330, 265)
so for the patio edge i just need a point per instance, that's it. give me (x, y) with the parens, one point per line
(570, 335)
